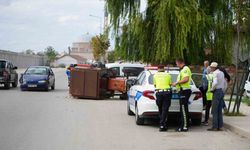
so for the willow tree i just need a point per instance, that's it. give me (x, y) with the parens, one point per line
(172, 28)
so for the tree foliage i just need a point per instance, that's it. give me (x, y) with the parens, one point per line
(51, 53)
(173, 28)
(100, 45)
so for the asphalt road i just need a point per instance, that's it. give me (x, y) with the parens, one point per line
(54, 121)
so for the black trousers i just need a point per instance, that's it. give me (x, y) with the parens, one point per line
(204, 97)
(184, 112)
(207, 112)
(163, 101)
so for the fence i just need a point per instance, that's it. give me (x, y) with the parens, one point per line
(22, 60)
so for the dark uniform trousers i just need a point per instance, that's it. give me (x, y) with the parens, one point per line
(184, 113)
(163, 101)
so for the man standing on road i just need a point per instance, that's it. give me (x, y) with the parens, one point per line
(204, 78)
(183, 85)
(162, 82)
(209, 95)
(218, 95)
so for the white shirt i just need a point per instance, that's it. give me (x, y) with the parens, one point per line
(218, 80)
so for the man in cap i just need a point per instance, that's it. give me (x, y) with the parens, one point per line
(218, 95)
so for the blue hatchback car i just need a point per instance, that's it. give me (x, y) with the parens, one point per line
(37, 77)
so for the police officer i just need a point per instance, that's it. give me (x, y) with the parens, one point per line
(209, 94)
(162, 82)
(183, 86)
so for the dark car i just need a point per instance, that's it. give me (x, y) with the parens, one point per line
(37, 77)
(8, 74)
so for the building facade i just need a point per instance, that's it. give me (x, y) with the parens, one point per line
(82, 49)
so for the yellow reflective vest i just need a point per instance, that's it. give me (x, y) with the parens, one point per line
(162, 80)
(209, 94)
(184, 72)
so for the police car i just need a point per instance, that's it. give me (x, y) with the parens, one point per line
(142, 100)
(247, 86)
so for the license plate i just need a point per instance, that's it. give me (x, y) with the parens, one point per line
(32, 85)
(175, 96)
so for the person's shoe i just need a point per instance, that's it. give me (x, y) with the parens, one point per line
(212, 129)
(182, 130)
(205, 123)
(220, 129)
(162, 129)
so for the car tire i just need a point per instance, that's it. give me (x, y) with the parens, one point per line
(196, 121)
(129, 112)
(15, 83)
(123, 96)
(53, 86)
(138, 119)
(46, 88)
(7, 85)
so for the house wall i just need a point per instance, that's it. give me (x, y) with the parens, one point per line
(66, 60)
(22, 60)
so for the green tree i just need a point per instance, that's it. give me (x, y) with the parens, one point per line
(173, 28)
(51, 53)
(100, 44)
(29, 52)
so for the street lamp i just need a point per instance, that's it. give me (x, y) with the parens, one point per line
(100, 21)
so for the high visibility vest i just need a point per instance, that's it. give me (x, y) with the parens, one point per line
(209, 94)
(184, 72)
(162, 80)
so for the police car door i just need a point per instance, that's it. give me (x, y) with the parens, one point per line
(247, 86)
(135, 90)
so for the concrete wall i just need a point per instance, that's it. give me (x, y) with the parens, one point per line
(22, 60)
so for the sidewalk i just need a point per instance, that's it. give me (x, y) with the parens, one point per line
(239, 124)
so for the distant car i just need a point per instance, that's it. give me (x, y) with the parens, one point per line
(118, 68)
(247, 86)
(37, 77)
(8, 74)
(141, 98)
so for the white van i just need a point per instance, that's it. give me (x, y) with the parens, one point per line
(119, 67)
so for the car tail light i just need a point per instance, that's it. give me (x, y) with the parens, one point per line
(197, 96)
(149, 94)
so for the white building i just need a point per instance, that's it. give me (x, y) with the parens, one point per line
(66, 60)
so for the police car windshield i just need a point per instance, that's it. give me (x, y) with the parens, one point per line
(173, 76)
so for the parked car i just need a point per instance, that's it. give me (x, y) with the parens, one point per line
(141, 98)
(37, 77)
(247, 86)
(8, 74)
(119, 68)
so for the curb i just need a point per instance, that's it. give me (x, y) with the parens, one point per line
(237, 130)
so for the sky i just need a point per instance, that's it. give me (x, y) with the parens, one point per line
(36, 24)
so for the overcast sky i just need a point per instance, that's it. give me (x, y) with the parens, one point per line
(36, 24)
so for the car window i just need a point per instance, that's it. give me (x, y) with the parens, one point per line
(141, 79)
(115, 70)
(2, 64)
(133, 71)
(36, 71)
(173, 76)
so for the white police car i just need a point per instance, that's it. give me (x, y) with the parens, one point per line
(141, 98)
(247, 86)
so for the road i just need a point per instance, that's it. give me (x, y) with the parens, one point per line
(55, 121)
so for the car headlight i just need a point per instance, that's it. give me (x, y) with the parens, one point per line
(42, 81)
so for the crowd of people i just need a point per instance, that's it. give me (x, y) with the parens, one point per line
(214, 84)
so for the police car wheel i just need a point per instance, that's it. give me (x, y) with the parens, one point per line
(129, 112)
(138, 120)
